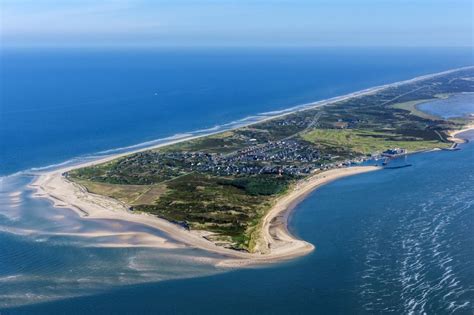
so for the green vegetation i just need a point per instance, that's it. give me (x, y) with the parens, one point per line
(136, 169)
(208, 203)
(260, 185)
(225, 183)
(229, 207)
(124, 193)
(411, 107)
(369, 142)
(224, 142)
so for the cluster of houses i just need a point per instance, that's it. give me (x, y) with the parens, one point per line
(278, 157)
(276, 151)
(274, 157)
(297, 121)
(289, 157)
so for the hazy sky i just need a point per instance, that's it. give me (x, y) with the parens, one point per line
(240, 22)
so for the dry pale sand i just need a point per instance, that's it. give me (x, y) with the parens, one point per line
(454, 133)
(276, 242)
(308, 106)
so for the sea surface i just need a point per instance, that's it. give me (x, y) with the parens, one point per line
(392, 241)
(56, 105)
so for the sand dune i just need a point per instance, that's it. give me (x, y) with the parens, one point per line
(276, 242)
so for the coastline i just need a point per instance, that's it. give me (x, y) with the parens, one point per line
(289, 111)
(276, 242)
(453, 134)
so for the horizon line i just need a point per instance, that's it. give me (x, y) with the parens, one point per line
(219, 46)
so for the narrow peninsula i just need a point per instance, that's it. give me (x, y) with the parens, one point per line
(231, 192)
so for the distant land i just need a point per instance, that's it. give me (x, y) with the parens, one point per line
(231, 192)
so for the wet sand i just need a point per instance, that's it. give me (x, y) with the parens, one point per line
(276, 242)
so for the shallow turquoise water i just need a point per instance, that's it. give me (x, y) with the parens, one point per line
(395, 240)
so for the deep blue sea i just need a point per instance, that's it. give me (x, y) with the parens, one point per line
(393, 241)
(58, 105)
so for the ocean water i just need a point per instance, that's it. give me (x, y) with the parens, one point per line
(395, 241)
(392, 242)
(56, 105)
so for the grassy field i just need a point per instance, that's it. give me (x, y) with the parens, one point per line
(226, 182)
(229, 207)
(224, 142)
(367, 141)
(125, 193)
(411, 107)
(222, 206)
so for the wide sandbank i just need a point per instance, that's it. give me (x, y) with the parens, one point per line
(275, 243)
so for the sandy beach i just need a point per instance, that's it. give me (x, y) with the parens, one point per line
(453, 134)
(276, 242)
(299, 108)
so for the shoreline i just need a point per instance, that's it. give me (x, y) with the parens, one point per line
(289, 111)
(276, 242)
(453, 134)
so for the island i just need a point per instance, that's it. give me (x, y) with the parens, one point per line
(231, 192)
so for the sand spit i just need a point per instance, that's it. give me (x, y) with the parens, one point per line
(276, 242)
(454, 133)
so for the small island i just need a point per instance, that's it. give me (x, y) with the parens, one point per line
(231, 192)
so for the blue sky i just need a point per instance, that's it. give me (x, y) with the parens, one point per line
(238, 23)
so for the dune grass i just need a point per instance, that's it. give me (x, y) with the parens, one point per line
(368, 141)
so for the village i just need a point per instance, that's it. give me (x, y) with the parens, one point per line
(224, 182)
(288, 157)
